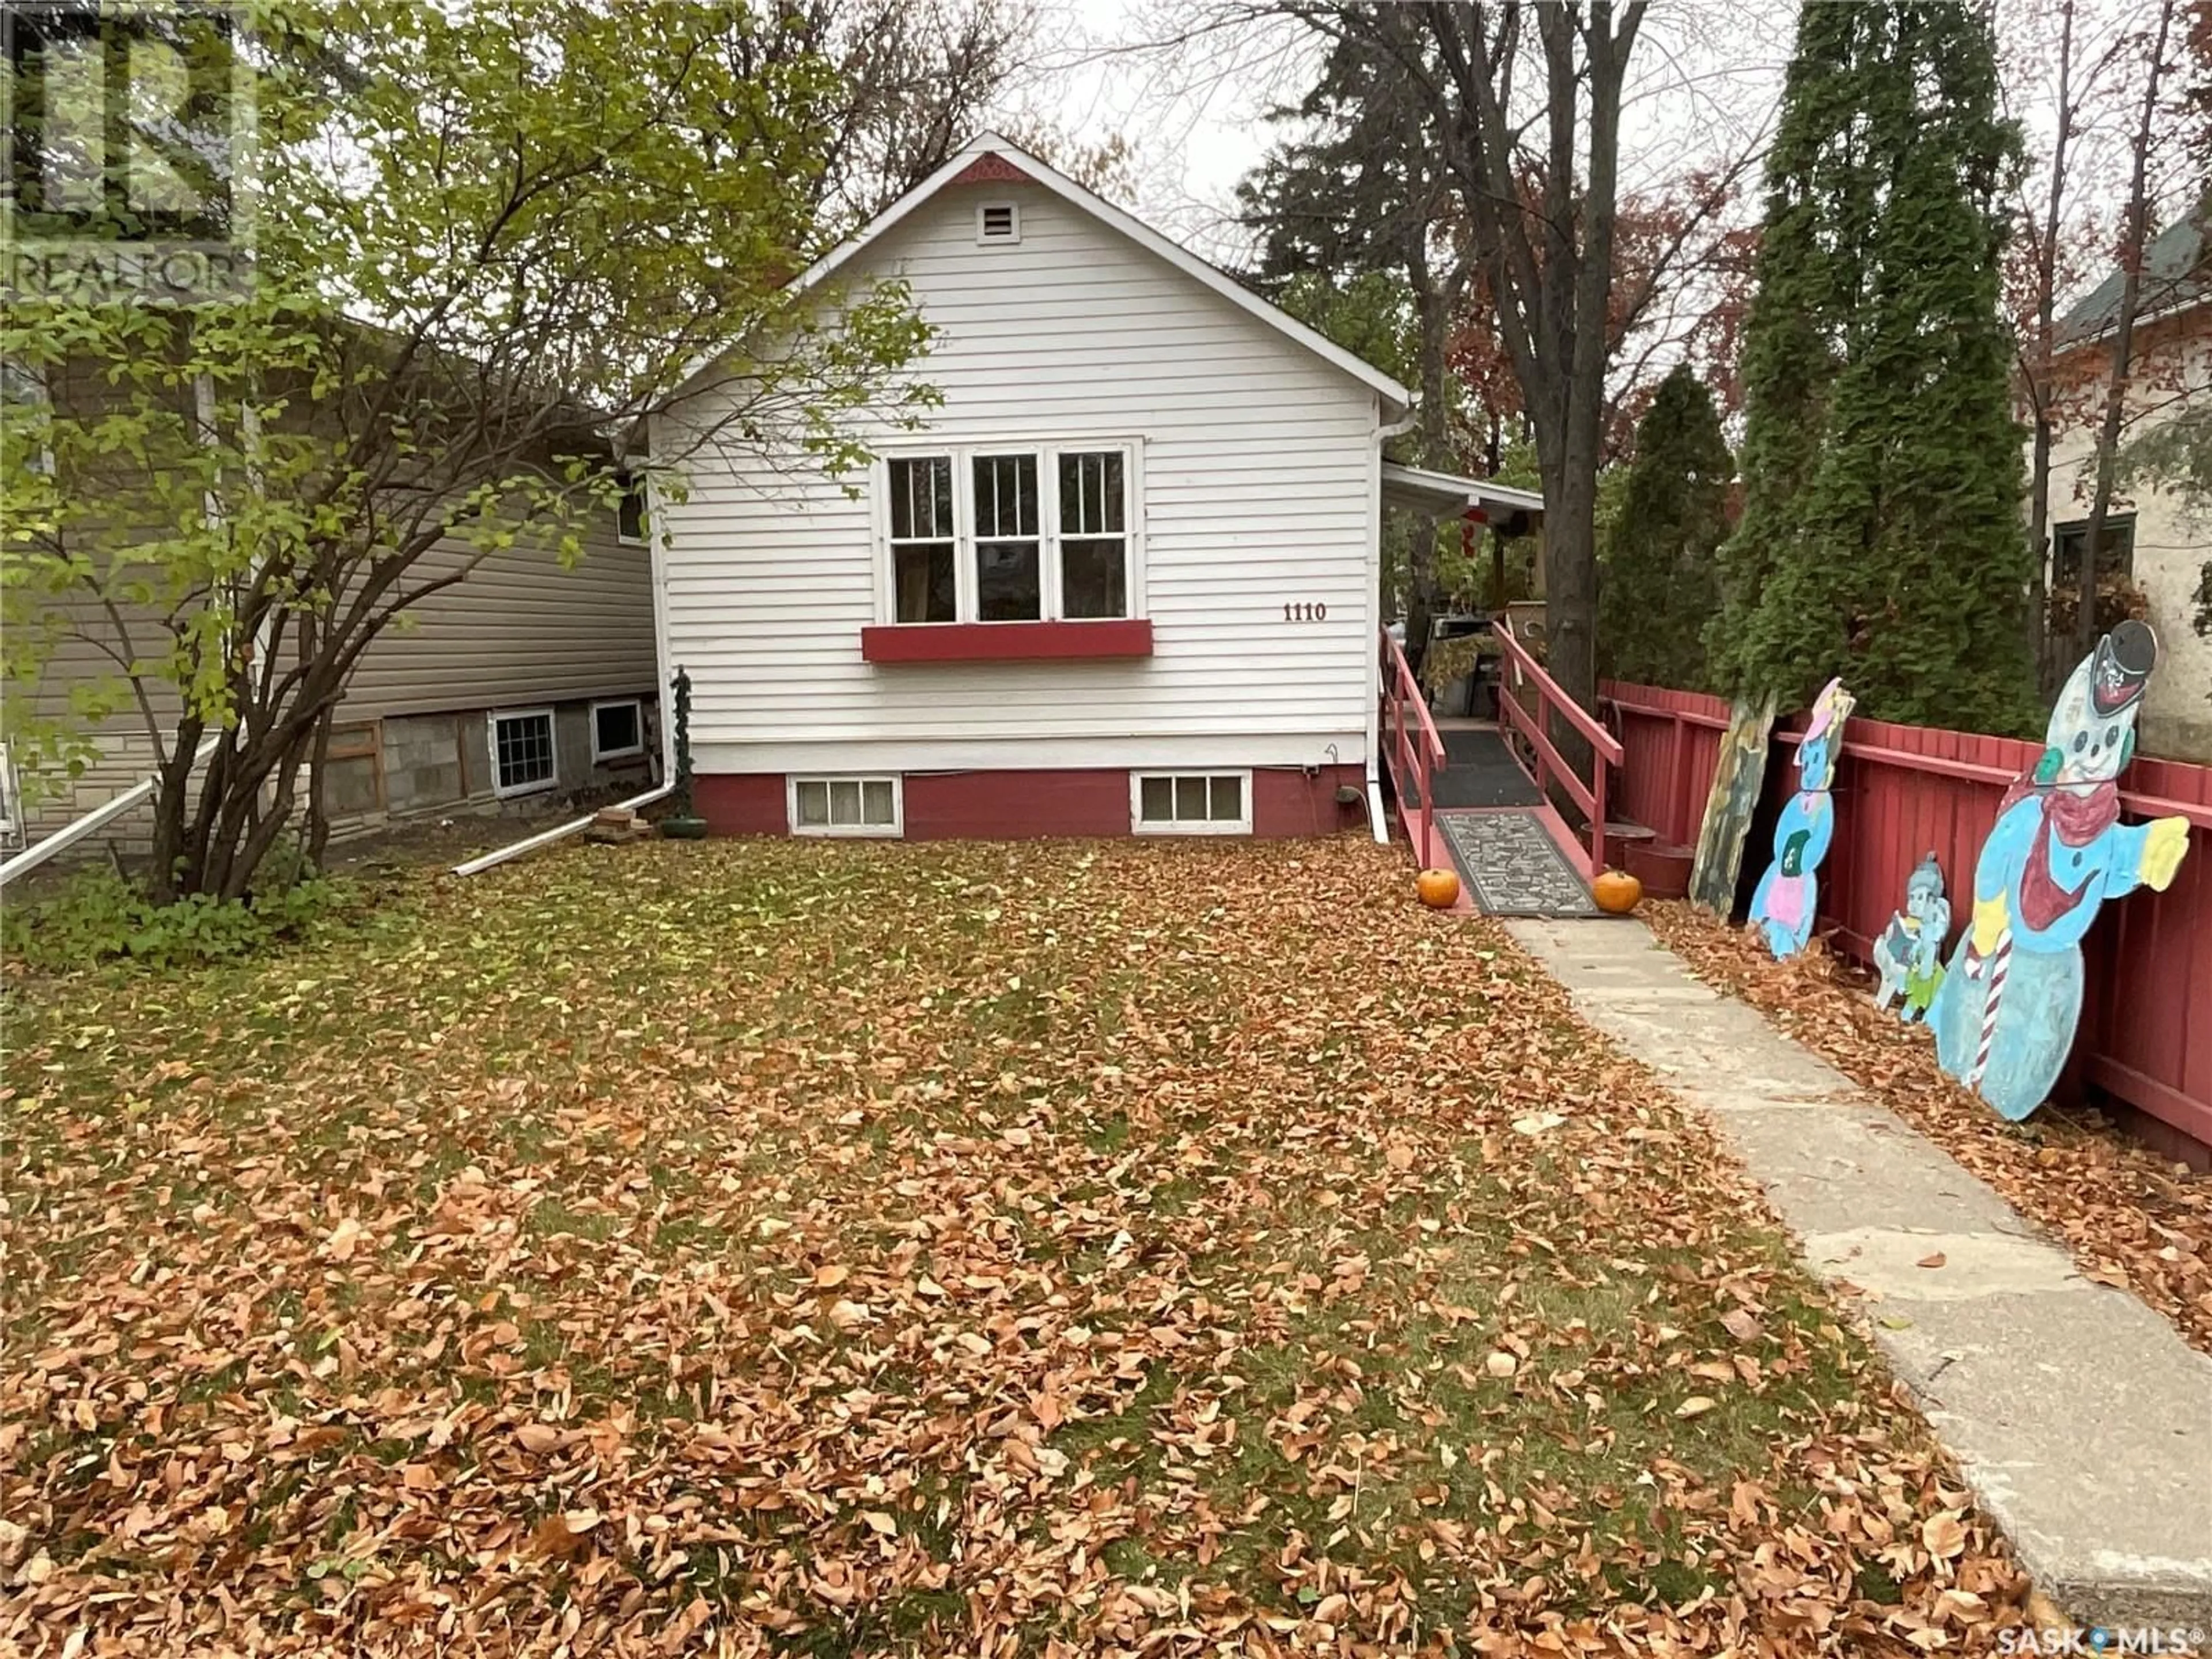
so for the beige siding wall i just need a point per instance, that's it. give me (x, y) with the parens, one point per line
(517, 631)
(518, 628)
(2171, 542)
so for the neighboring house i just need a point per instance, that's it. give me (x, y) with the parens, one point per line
(2151, 535)
(1127, 579)
(522, 684)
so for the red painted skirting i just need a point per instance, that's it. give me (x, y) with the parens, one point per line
(742, 803)
(1017, 806)
(1010, 806)
(1036, 642)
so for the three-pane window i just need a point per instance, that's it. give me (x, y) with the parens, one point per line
(988, 535)
(1192, 803)
(845, 807)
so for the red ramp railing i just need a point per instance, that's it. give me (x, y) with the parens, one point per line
(1415, 752)
(1523, 675)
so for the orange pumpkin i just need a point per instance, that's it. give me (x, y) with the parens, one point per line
(1616, 892)
(1439, 889)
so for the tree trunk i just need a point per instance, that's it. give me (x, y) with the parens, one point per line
(2123, 328)
(1571, 594)
(2039, 373)
(318, 836)
(1433, 313)
(171, 794)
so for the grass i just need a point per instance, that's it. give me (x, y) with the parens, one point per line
(874, 1248)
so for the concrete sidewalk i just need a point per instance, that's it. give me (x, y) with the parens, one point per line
(2081, 1417)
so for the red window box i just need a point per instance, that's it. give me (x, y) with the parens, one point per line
(1027, 641)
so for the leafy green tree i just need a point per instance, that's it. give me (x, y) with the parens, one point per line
(1658, 582)
(1360, 243)
(494, 243)
(1881, 533)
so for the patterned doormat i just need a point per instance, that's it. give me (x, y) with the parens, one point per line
(1513, 867)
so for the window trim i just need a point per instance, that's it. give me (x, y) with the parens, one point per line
(970, 606)
(887, 544)
(963, 455)
(492, 718)
(895, 831)
(598, 754)
(634, 481)
(1139, 825)
(1013, 239)
(2115, 523)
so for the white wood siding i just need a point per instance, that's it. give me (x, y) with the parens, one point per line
(1259, 488)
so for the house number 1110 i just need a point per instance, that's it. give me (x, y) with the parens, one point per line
(1305, 610)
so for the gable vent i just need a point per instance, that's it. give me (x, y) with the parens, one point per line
(998, 222)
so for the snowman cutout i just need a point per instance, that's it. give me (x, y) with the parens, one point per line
(1787, 896)
(2006, 1013)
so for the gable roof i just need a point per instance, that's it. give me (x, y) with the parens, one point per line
(2176, 275)
(988, 158)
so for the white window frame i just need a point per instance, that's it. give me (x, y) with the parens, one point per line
(1012, 208)
(637, 748)
(963, 457)
(966, 562)
(1139, 825)
(491, 745)
(634, 482)
(896, 829)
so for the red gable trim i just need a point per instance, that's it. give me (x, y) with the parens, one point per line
(990, 168)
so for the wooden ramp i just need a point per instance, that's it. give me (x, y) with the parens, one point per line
(1511, 863)
(1466, 793)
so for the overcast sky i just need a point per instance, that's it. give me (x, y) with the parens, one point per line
(1706, 79)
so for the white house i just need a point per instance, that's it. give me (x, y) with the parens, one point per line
(1128, 578)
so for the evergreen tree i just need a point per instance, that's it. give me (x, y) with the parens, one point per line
(1657, 586)
(1880, 535)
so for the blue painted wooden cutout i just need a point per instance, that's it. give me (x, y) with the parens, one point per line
(1909, 954)
(2006, 1013)
(1789, 894)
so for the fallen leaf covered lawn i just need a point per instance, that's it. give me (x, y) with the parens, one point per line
(835, 1248)
(2131, 1216)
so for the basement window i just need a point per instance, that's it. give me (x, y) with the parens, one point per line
(846, 806)
(1190, 803)
(999, 222)
(522, 760)
(617, 730)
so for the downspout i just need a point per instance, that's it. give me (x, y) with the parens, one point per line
(1377, 825)
(658, 553)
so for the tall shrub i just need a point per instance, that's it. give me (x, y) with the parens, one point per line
(1880, 535)
(1657, 584)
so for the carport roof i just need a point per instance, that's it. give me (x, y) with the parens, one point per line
(1421, 490)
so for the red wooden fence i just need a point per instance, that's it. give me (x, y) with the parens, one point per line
(1902, 792)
